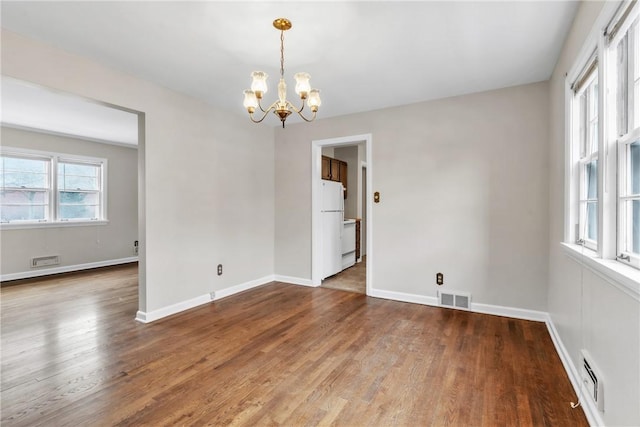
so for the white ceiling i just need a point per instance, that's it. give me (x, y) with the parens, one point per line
(361, 55)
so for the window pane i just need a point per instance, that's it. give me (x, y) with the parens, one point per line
(635, 227)
(78, 198)
(583, 124)
(78, 211)
(78, 177)
(28, 173)
(23, 212)
(631, 238)
(25, 165)
(592, 179)
(621, 62)
(592, 221)
(593, 137)
(634, 168)
(79, 205)
(22, 197)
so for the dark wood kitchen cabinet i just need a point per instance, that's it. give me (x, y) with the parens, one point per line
(335, 170)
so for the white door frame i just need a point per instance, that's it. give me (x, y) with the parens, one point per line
(316, 170)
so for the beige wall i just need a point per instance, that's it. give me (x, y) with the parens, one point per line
(209, 176)
(463, 184)
(86, 244)
(588, 311)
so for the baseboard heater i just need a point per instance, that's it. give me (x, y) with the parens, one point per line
(45, 261)
(455, 299)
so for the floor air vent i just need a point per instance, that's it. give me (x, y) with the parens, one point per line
(592, 381)
(44, 261)
(455, 300)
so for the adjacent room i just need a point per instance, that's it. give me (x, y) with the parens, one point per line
(320, 213)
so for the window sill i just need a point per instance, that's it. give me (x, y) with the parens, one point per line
(622, 276)
(57, 224)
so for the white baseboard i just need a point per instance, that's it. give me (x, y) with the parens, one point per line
(294, 280)
(516, 313)
(66, 269)
(151, 316)
(588, 406)
(404, 297)
(243, 287)
(148, 317)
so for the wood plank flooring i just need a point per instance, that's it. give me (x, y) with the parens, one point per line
(72, 355)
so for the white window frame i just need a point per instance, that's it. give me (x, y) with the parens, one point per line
(631, 30)
(611, 24)
(52, 217)
(583, 150)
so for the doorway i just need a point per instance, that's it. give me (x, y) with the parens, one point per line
(362, 202)
(78, 125)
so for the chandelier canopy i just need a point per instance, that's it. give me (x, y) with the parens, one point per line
(281, 107)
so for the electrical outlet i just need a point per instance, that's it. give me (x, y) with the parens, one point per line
(439, 279)
(135, 247)
(219, 269)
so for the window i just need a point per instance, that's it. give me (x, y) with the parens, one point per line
(48, 188)
(603, 169)
(586, 104)
(78, 191)
(25, 189)
(627, 54)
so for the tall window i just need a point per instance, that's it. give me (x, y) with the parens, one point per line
(627, 54)
(48, 188)
(586, 149)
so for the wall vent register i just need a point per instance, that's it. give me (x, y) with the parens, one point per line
(458, 300)
(45, 261)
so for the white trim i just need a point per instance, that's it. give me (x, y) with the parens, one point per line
(588, 406)
(514, 312)
(154, 315)
(404, 297)
(617, 274)
(65, 269)
(148, 317)
(295, 280)
(223, 293)
(496, 310)
(51, 224)
(316, 168)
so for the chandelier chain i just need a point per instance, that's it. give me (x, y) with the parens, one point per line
(282, 53)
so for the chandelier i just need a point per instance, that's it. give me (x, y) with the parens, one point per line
(281, 107)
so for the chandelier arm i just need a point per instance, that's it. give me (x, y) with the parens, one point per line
(306, 119)
(262, 109)
(264, 115)
(292, 107)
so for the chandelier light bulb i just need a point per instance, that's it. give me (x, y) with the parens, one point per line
(259, 83)
(314, 100)
(302, 84)
(250, 101)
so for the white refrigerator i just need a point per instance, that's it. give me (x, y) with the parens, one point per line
(332, 213)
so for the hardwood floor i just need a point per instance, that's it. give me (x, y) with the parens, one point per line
(276, 355)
